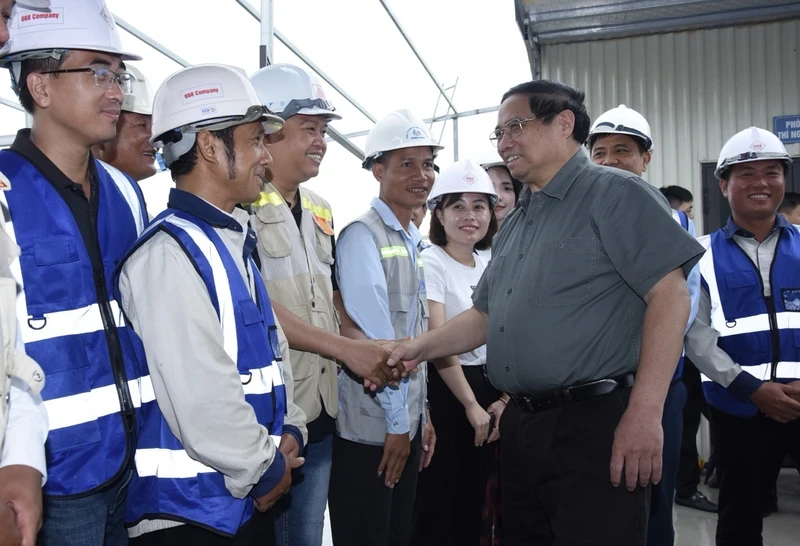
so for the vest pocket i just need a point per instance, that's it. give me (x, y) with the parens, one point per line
(741, 279)
(324, 245)
(273, 240)
(55, 250)
(80, 412)
(250, 312)
(212, 484)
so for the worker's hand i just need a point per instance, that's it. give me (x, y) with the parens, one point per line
(289, 447)
(479, 419)
(396, 449)
(21, 492)
(637, 449)
(367, 359)
(778, 401)
(497, 407)
(428, 444)
(10, 535)
(266, 502)
(405, 354)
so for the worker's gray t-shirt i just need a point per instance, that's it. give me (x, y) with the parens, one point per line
(570, 268)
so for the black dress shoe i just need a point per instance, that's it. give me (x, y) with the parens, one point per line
(698, 501)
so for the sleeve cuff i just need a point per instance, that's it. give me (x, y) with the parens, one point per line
(271, 477)
(744, 386)
(295, 432)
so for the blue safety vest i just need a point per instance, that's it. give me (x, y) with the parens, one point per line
(167, 483)
(682, 218)
(74, 327)
(760, 334)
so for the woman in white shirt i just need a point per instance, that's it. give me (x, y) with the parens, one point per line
(450, 492)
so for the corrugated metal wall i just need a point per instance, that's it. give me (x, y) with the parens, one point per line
(695, 88)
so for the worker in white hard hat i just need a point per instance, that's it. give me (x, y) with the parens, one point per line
(297, 251)
(66, 66)
(384, 438)
(743, 340)
(192, 274)
(506, 186)
(621, 138)
(130, 151)
(451, 493)
(23, 418)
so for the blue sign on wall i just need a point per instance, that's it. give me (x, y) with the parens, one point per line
(787, 128)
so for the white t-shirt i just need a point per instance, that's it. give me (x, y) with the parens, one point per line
(452, 283)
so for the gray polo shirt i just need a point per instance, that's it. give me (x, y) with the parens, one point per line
(570, 268)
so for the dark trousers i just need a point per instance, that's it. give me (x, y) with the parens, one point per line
(660, 531)
(451, 491)
(555, 478)
(688, 468)
(259, 531)
(750, 452)
(364, 512)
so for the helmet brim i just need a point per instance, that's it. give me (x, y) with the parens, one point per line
(368, 161)
(315, 111)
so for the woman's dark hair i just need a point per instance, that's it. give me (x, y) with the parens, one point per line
(437, 235)
(548, 98)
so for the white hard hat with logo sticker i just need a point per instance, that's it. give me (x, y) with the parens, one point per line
(462, 177)
(140, 101)
(398, 130)
(623, 121)
(752, 144)
(206, 96)
(38, 32)
(289, 90)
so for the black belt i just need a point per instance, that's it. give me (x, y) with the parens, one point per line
(577, 393)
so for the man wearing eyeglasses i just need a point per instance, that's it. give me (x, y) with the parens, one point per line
(74, 218)
(585, 288)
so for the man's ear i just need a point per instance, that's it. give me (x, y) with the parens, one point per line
(39, 88)
(207, 147)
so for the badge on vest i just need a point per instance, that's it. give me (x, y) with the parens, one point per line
(323, 225)
(5, 183)
(791, 299)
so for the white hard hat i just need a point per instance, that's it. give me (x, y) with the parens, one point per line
(492, 160)
(624, 121)
(289, 90)
(67, 24)
(205, 96)
(398, 130)
(34, 4)
(752, 144)
(140, 101)
(462, 177)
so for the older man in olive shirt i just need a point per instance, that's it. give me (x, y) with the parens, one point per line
(586, 286)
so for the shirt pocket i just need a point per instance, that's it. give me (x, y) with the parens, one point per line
(563, 272)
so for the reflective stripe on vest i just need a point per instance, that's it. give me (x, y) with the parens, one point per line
(397, 251)
(741, 315)
(62, 325)
(168, 483)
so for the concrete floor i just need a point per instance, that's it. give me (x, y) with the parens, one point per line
(695, 528)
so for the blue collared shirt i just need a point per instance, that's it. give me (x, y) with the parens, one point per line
(362, 284)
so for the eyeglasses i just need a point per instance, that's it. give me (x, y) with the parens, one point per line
(103, 77)
(512, 128)
(295, 105)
